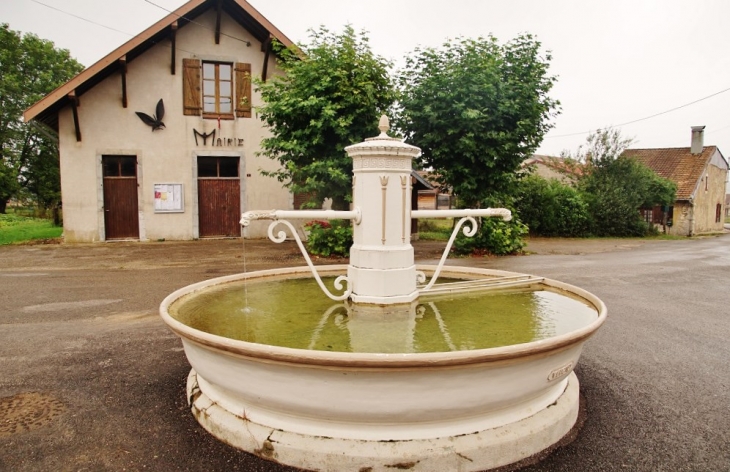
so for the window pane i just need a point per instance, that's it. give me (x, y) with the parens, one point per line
(129, 166)
(225, 89)
(208, 70)
(208, 87)
(225, 105)
(207, 167)
(110, 166)
(224, 71)
(229, 166)
(209, 104)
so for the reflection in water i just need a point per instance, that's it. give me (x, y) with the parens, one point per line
(294, 313)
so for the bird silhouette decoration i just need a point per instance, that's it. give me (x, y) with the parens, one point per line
(154, 121)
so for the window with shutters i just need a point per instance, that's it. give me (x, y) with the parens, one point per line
(216, 89)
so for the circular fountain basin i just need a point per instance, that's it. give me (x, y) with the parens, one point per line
(457, 410)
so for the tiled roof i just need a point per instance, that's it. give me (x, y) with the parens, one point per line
(562, 165)
(676, 164)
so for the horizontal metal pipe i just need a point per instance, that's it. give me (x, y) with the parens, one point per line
(249, 216)
(504, 213)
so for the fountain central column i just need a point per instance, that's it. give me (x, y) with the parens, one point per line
(382, 268)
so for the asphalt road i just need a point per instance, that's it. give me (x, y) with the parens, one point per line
(91, 378)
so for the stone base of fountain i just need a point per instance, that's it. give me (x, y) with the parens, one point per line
(477, 451)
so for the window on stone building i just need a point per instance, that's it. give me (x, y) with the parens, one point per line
(217, 167)
(216, 89)
(718, 213)
(646, 214)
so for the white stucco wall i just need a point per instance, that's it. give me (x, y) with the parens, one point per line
(165, 156)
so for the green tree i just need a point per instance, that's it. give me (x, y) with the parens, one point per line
(616, 187)
(477, 110)
(30, 68)
(331, 96)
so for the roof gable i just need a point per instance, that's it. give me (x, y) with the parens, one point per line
(676, 164)
(46, 110)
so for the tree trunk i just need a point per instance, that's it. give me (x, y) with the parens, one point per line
(56, 215)
(3, 206)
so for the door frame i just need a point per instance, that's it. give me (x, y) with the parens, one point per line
(100, 190)
(194, 187)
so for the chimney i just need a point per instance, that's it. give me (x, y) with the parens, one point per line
(698, 139)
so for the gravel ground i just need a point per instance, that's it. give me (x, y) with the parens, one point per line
(93, 380)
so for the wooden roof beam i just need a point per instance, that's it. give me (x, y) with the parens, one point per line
(75, 104)
(59, 96)
(173, 34)
(123, 70)
(266, 47)
(218, 12)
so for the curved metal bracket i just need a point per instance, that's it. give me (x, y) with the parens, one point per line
(469, 231)
(281, 236)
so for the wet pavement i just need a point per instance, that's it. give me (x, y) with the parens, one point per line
(91, 378)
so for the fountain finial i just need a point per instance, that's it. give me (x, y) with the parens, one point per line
(384, 126)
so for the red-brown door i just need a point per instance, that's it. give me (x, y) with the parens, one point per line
(219, 197)
(121, 219)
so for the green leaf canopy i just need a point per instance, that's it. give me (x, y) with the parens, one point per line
(477, 109)
(332, 95)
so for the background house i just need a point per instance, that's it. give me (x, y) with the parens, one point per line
(550, 167)
(124, 178)
(431, 195)
(701, 173)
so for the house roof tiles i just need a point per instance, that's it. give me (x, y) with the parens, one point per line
(676, 164)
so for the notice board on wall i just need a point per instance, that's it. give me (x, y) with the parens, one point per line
(169, 198)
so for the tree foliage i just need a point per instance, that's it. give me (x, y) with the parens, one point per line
(331, 96)
(30, 68)
(603, 197)
(616, 187)
(477, 109)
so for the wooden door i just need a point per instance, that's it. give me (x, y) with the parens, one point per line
(121, 217)
(219, 197)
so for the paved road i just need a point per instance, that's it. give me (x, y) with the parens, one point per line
(91, 379)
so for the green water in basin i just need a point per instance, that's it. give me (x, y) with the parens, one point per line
(295, 313)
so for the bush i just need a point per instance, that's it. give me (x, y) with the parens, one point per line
(616, 189)
(329, 239)
(551, 208)
(494, 236)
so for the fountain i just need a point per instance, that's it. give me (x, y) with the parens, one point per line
(398, 373)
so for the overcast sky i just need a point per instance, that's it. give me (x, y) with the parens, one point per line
(616, 61)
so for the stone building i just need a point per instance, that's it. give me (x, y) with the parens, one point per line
(158, 139)
(701, 173)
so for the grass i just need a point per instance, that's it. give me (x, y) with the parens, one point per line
(17, 229)
(437, 229)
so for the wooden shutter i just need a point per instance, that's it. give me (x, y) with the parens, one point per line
(191, 87)
(243, 90)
